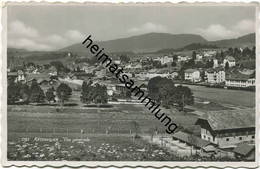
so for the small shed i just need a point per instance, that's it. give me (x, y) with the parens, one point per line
(195, 141)
(245, 151)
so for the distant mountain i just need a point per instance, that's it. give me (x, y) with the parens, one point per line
(243, 41)
(142, 43)
(15, 51)
(146, 43)
(35, 56)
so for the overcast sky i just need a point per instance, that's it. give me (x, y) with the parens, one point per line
(53, 27)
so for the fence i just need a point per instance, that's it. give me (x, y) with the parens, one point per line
(66, 132)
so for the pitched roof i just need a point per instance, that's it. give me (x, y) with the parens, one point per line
(230, 119)
(244, 149)
(37, 76)
(190, 70)
(212, 70)
(230, 58)
(12, 74)
(40, 80)
(191, 139)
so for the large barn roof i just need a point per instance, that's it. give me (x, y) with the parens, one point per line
(230, 119)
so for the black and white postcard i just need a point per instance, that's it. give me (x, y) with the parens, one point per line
(129, 84)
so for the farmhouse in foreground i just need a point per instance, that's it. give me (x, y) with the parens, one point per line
(227, 128)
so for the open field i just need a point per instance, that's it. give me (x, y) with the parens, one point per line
(236, 98)
(109, 130)
(119, 119)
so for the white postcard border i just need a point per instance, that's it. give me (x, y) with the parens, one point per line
(94, 164)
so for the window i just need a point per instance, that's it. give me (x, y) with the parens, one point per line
(209, 138)
(253, 137)
(240, 138)
(204, 136)
(227, 139)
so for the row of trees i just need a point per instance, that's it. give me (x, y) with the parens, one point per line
(35, 94)
(160, 89)
(165, 92)
(239, 53)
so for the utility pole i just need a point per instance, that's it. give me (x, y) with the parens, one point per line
(182, 102)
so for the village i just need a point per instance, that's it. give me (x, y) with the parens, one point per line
(208, 128)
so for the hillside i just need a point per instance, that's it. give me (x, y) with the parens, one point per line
(193, 46)
(35, 56)
(147, 43)
(142, 43)
(243, 41)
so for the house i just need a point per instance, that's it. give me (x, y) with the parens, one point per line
(215, 76)
(240, 82)
(183, 58)
(230, 60)
(48, 83)
(215, 63)
(237, 79)
(88, 69)
(31, 76)
(111, 89)
(209, 53)
(12, 76)
(136, 66)
(164, 60)
(146, 62)
(122, 92)
(121, 88)
(30, 68)
(43, 79)
(192, 75)
(52, 71)
(245, 151)
(128, 66)
(80, 75)
(101, 73)
(21, 77)
(226, 128)
(154, 73)
(199, 57)
(117, 62)
(174, 75)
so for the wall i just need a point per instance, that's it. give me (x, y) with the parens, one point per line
(222, 140)
(216, 77)
(194, 77)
